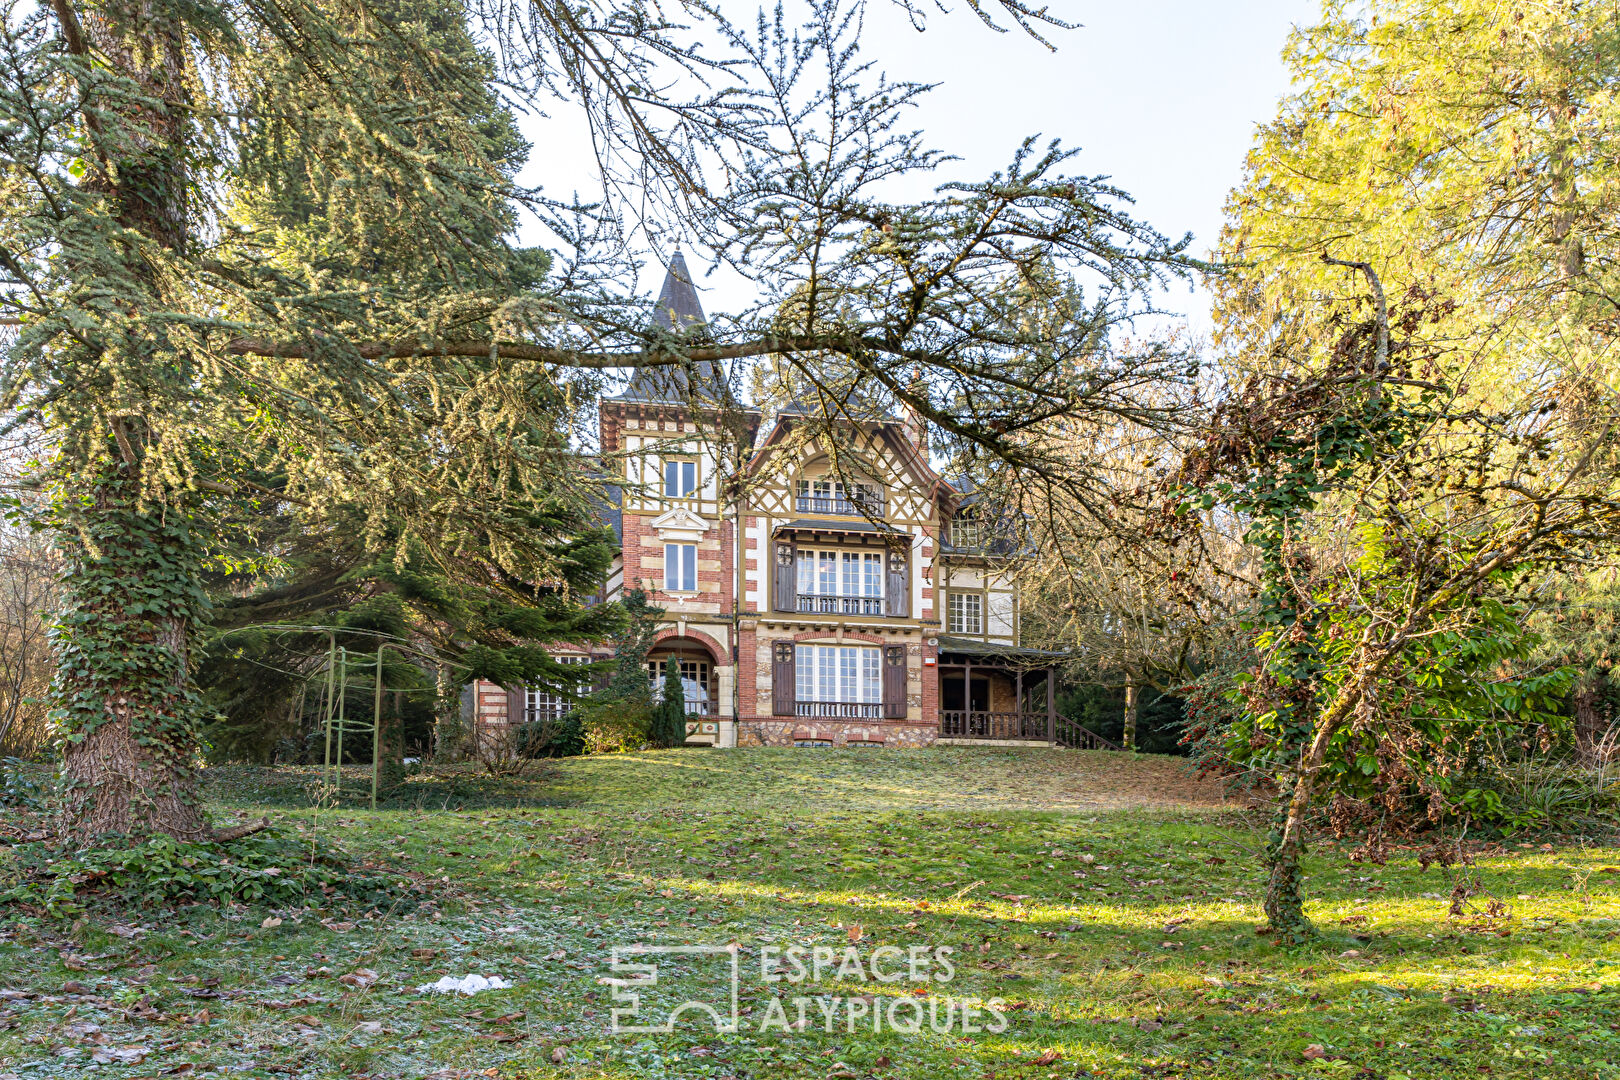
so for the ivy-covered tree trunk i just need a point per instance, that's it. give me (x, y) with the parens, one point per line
(131, 592)
(1284, 901)
(123, 699)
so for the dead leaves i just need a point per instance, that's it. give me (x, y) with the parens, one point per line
(360, 979)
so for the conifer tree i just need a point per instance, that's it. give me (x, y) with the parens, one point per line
(668, 727)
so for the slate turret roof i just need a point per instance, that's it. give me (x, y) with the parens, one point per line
(680, 310)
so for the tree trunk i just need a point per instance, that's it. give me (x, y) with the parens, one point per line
(132, 582)
(1590, 726)
(391, 759)
(122, 697)
(1128, 738)
(1284, 902)
(449, 733)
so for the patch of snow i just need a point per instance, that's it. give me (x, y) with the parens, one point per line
(467, 984)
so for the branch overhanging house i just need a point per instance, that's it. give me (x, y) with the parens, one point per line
(807, 601)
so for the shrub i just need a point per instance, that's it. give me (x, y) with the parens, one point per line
(562, 737)
(1541, 791)
(616, 725)
(23, 785)
(1210, 710)
(268, 868)
(1101, 709)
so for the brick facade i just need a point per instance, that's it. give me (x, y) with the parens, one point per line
(729, 621)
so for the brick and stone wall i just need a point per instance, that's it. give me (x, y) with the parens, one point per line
(786, 731)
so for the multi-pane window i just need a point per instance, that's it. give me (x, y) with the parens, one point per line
(964, 613)
(838, 680)
(548, 704)
(680, 568)
(694, 683)
(966, 533)
(841, 582)
(680, 479)
(836, 497)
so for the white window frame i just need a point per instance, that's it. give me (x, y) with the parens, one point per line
(549, 704)
(680, 568)
(837, 575)
(966, 533)
(685, 476)
(958, 611)
(845, 674)
(696, 676)
(826, 489)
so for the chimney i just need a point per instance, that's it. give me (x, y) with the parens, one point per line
(911, 421)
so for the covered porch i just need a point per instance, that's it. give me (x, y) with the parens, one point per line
(992, 693)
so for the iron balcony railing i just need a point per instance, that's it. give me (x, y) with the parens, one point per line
(840, 504)
(841, 710)
(814, 604)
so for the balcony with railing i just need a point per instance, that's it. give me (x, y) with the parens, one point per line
(847, 505)
(840, 710)
(816, 604)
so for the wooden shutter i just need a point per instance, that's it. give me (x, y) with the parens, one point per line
(787, 576)
(517, 703)
(897, 595)
(783, 678)
(894, 682)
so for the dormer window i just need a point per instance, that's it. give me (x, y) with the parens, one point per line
(680, 479)
(967, 533)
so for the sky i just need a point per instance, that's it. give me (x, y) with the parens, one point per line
(1162, 96)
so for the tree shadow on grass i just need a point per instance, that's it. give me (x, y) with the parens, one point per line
(299, 787)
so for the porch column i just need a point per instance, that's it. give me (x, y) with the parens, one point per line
(1051, 706)
(1018, 700)
(967, 698)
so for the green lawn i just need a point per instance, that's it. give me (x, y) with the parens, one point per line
(1109, 903)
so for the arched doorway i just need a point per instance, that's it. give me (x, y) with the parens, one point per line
(700, 683)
